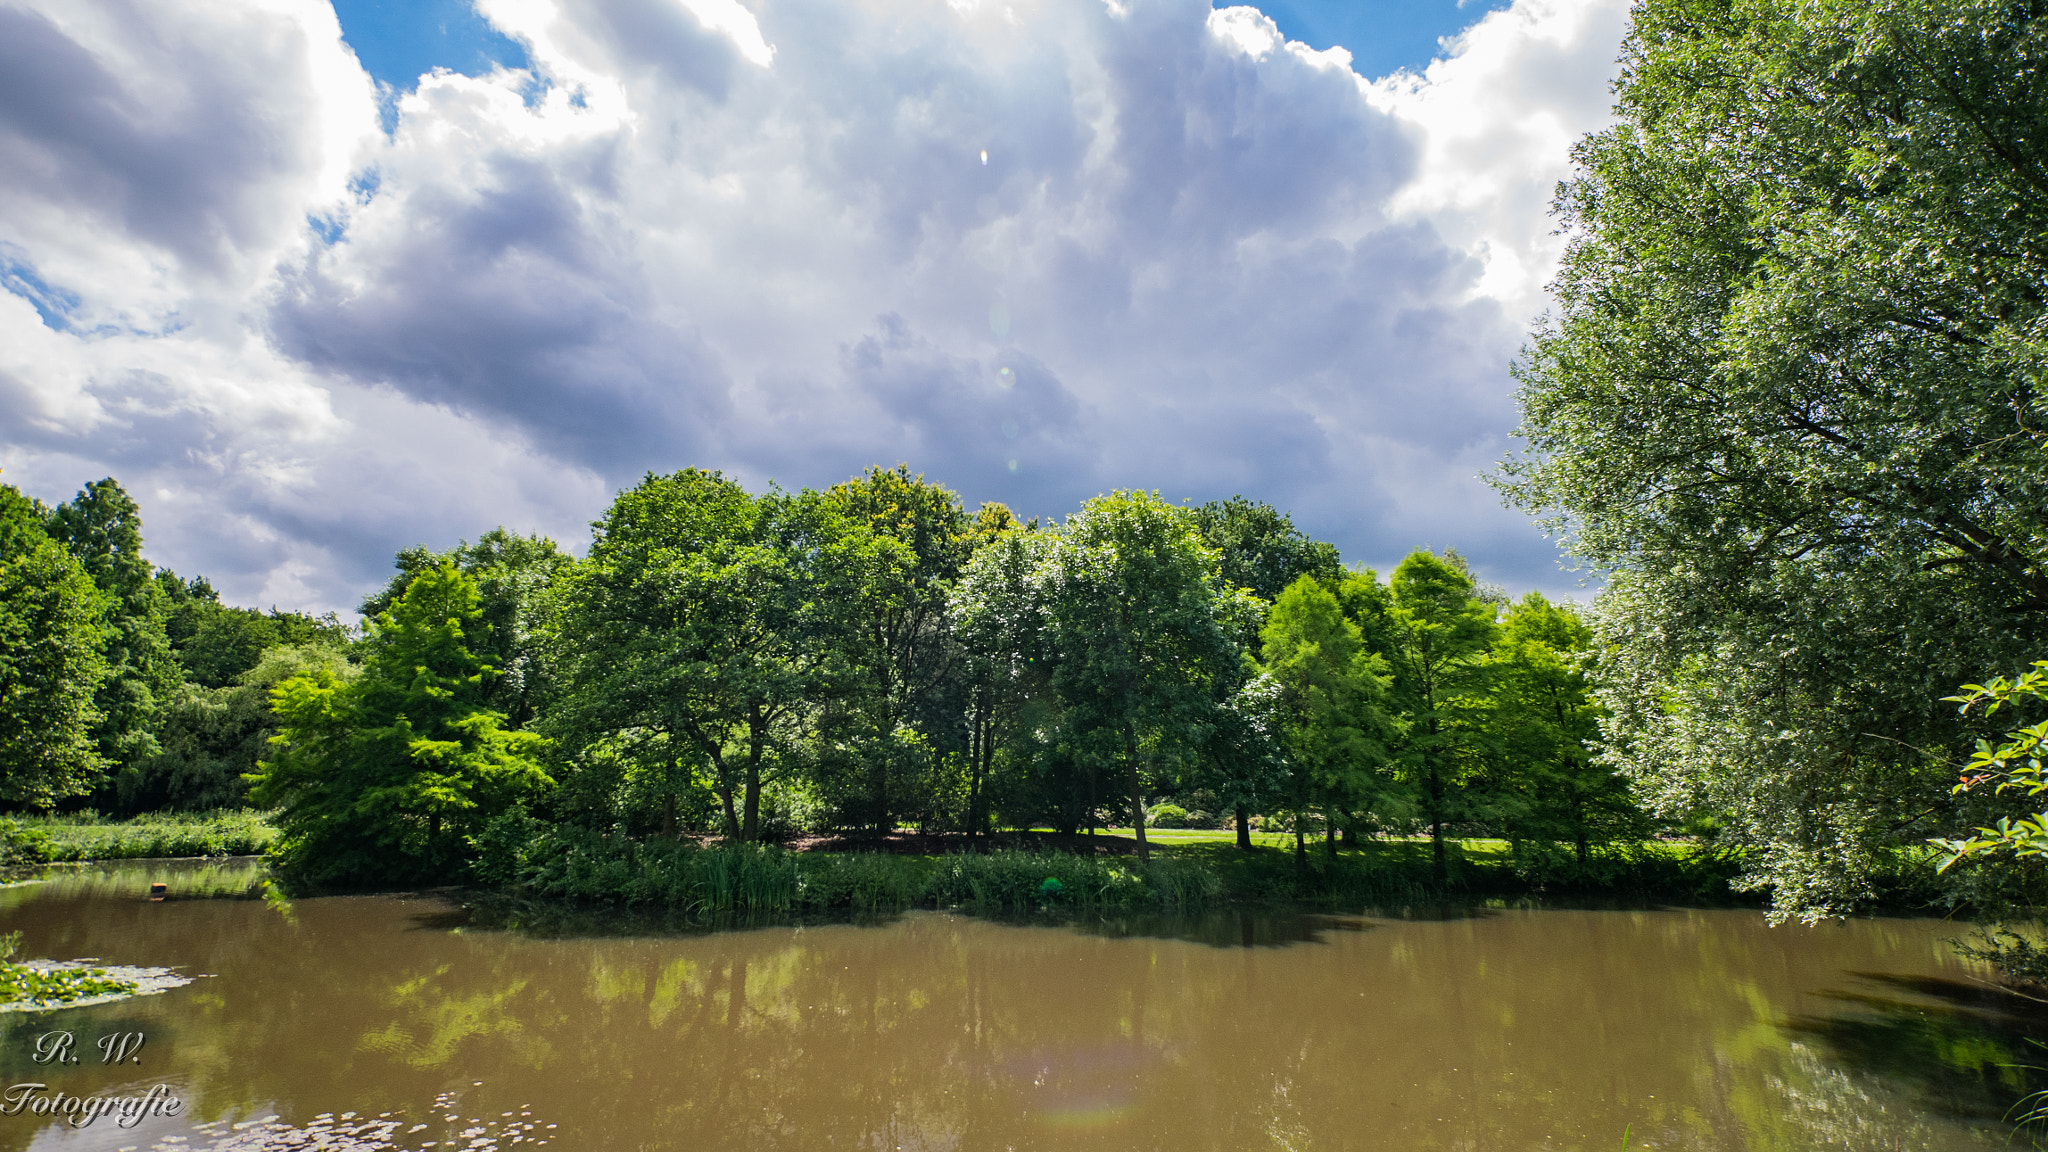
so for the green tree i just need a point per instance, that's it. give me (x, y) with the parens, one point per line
(902, 702)
(1141, 633)
(1790, 402)
(102, 528)
(998, 620)
(50, 662)
(1258, 547)
(212, 739)
(700, 629)
(1440, 630)
(512, 573)
(1546, 720)
(1334, 727)
(389, 776)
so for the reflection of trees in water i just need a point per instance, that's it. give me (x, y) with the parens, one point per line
(1825, 1105)
(944, 1032)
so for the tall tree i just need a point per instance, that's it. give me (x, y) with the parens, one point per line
(50, 663)
(512, 573)
(1545, 720)
(1791, 402)
(1441, 630)
(998, 619)
(102, 528)
(389, 776)
(1334, 726)
(1140, 630)
(919, 536)
(699, 628)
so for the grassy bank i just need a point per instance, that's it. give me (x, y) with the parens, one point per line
(586, 866)
(87, 836)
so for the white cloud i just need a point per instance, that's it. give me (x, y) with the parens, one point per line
(763, 238)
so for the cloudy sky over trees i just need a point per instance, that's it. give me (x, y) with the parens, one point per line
(1036, 249)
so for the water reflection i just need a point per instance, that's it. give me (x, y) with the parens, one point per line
(1498, 1029)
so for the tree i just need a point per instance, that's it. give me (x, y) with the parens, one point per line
(1791, 403)
(212, 739)
(917, 537)
(1334, 726)
(1258, 547)
(50, 662)
(1441, 630)
(997, 618)
(698, 629)
(389, 776)
(102, 528)
(512, 573)
(1141, 633)
(1545, 719)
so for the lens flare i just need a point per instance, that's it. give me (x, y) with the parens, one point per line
(1005, 377)
(984, 157)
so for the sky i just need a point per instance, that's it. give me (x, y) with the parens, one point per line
(318, 284)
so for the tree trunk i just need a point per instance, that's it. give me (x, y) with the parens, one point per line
(725, 794)
(1137, 795)
(757, 739)
(668, 815)
(1330, 835)
(1436, 827)
(1300, 845)
(1244, 829)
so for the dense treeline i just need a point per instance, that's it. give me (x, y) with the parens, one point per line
(122, 684)
(863, 659)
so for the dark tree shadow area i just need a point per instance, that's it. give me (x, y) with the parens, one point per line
(1965, 1049)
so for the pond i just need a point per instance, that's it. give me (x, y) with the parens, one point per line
(414, 1022)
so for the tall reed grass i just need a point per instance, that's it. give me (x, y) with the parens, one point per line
(88, 836)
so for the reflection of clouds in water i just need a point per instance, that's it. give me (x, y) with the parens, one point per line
(1081, 1088)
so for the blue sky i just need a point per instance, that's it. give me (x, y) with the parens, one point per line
(398, 40)
(310, 308)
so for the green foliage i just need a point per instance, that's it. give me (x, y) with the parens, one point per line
(2011, 766)
(897, 713)
(51, 669)
(390, 776)
(698, 630)
(1791, 404)
(1334, 727)
(1259, 549)
(86, 836)
(102, 528)
(583, 864)
(1438, 628)
(1142, 637)
(211, 739)
(512, 573)
(1546, 784)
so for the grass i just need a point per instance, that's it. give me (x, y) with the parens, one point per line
(1185, 871)
(88, 836)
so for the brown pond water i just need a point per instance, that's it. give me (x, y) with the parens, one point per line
(1488, 1029)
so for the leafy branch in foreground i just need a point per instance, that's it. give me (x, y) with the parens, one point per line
(2013, 766)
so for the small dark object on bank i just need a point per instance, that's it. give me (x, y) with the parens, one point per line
(157, 892)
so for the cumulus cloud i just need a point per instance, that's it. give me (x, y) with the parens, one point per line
(1034, 248)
